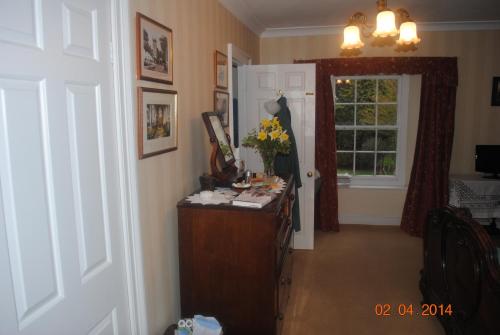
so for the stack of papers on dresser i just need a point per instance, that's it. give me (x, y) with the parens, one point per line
(253, 198)
(217, 197)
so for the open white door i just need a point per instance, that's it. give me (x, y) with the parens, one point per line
(297, 82)
(62, 256)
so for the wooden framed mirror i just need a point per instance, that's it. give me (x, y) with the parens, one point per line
(222, 159)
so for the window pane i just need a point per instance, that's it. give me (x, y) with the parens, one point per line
(365, 140)
(366, 90)
(344, 91)
(344, 162)
(365, 115)
(387, 115)
(345, 139)
(387, 90)
(364, 164)
(386, 164)
(344, 114)
(387, 140)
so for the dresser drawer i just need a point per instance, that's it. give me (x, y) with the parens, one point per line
(285, 227)
(283, 243)
(285, 281)
(283, 288)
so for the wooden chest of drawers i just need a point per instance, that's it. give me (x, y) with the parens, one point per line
(236, 263)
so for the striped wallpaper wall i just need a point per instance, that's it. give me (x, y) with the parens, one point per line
(199, 28)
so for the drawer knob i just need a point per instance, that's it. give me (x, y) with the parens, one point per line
(283, 281)
(281, 316)
(309, 174)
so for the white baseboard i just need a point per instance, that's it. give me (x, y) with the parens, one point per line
(370, 220)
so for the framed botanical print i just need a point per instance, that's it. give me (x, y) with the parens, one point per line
(157, 121)
(154, 44)
(221, 106)
(221, 75)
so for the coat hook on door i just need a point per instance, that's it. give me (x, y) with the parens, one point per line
(280, 93)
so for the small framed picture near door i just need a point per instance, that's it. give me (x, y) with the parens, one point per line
(495, 92)
(221, 106)
(157, 121)
(221, 76)
(154, 44)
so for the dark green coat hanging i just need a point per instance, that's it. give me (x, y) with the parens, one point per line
(288, 164)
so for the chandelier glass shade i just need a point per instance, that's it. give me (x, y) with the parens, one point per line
(385, 33)
(408, 33)
(352, 38)
(386, 24)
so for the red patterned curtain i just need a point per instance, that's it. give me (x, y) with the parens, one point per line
(428, 187)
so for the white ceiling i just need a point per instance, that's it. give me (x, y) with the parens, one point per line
(263, 15)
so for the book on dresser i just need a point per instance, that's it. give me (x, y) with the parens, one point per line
(253, 198)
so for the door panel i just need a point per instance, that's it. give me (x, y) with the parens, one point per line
(27, 191)
(89, 183)
(21, 22)
(107, 325)
(261, 83)
(61, 241)
(295, 81)
(80, 33)
(299, 124)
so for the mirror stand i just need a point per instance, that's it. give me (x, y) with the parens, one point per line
(226, 174)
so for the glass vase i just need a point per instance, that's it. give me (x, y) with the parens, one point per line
(268, 160)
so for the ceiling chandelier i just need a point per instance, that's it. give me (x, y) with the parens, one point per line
(385, 33)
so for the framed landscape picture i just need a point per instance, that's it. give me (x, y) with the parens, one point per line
(495, 92)
(221, 76)
(154, 44)
(157, 121)
(221, 106)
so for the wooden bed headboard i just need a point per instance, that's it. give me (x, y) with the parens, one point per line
(461, 268)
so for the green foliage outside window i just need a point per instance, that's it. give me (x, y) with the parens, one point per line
(366, 125)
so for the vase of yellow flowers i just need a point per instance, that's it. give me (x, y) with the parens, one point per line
(268, 140)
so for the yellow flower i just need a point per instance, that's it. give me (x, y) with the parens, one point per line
(275, 134)
(262, 136)
(265, 123)
(284, 137)
(275, 122)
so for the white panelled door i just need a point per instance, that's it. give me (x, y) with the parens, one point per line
(261, 83)
(61, 244)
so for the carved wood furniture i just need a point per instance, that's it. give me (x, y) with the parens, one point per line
(461, 268)
(222, 158)
(236, 263)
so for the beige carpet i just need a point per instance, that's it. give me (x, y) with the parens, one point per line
(337, 286)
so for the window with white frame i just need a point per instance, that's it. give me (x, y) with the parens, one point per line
(370, 126)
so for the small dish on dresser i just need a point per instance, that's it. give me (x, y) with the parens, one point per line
(242, 185)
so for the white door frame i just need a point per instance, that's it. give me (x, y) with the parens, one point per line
(233, 52)
(125, 122)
